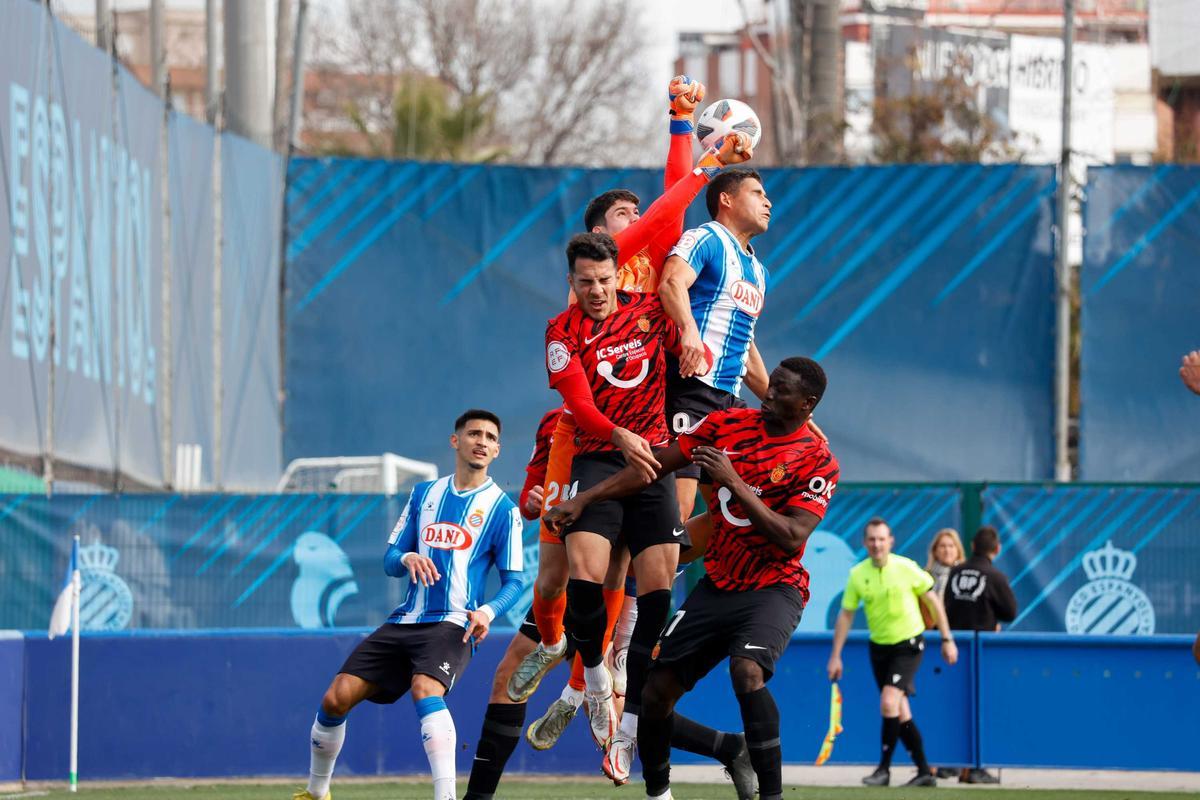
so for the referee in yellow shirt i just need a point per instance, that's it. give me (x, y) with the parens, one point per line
(891, 587)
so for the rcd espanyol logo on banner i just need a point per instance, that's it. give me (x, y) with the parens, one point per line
(105, 601)
(1108, 602)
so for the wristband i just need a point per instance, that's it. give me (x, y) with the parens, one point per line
(681, 125)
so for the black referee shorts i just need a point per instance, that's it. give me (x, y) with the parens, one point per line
(897, 664)
(393, 653)
(713, 624)
(644, 519)
(690, 400)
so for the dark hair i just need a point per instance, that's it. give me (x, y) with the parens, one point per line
(872, 522)
(811, 376)
(475, 413)
(596, 246)
(594, 214)
(727, 181)
(986, 541)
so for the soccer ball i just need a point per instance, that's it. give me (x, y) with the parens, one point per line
(725, 116)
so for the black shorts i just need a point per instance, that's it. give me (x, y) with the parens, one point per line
(393, 653)
(644, 519)
(689, 401)
(529, 628)
(897, 664)
(713, 624)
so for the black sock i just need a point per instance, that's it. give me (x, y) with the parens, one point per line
(654, 746)
(501, 731)
(653, 610)
(587, 619)
(915, 745)
(529, 628)
(689, 735)
(888, 737)
(760, 715)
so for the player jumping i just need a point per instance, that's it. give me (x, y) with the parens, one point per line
(775, 477)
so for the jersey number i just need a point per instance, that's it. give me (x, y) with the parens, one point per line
(674, 621)
(560, 493)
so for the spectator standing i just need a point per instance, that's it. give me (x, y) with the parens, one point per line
(945, 551)
(978, 598)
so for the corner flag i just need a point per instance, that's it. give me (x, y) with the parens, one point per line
(60, 617)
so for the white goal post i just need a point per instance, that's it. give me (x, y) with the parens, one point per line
(382, 474)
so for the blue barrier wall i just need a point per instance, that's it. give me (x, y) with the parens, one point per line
(12, 705)
(1013, 699)
(1120, 702)
(416, 290)
(1139, 286)
(1100, 559)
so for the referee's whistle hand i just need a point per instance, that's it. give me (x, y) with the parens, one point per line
(949, 651)
(421, 570)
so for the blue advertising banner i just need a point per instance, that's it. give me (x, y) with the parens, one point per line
(251, 216)
(1100, 559)
(1139, 287)
(193, 239)
(82, 277)
(416, 290)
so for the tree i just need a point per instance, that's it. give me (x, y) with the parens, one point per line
(429, 124)
(939, 121)
(532, 81)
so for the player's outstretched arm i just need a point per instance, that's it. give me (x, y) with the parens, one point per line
(672, 205)
(624, 483)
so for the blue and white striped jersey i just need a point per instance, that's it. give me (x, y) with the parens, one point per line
(726, 299)
(464, 533)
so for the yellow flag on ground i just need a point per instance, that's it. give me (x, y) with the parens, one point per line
(835, 723)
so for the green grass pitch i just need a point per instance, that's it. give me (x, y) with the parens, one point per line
(574, 790)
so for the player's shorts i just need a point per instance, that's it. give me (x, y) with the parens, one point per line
(689, 401)
(529, 628)
(391, 655)
(558, 470)
(897, 664)
(643, 520)
(713, 624)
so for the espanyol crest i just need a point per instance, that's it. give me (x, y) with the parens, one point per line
(1108, 602)
(105, 601)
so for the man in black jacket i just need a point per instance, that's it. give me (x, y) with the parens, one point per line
(978, 598)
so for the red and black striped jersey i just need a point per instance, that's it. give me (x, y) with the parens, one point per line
(793, 471)
(623, 358)
(536, 469)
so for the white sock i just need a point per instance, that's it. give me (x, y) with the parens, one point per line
(664, 796)
(439, 737)
(571, 695)
(326, 742)
(597, 679)
(629, 724)
(625, 623)
(558, 648)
